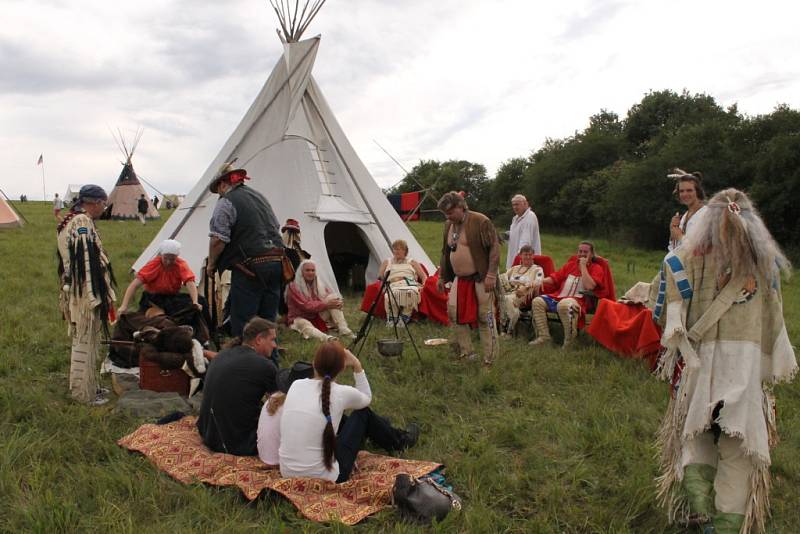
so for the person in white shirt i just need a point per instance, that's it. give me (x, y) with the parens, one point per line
(524, 230)
(690, 193)
(269, 422)
(316, 439)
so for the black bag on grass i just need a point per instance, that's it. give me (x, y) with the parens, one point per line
(422, 500)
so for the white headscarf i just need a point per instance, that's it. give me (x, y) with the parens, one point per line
(302, 285)
(169, 246)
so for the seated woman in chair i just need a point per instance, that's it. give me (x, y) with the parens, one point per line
(406, 277)
(316, 439)
(520, 284)
(314, 309)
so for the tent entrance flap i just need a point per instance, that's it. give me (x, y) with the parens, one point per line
(348, 254)
(333, 208)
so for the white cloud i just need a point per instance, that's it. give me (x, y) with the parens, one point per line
(484, 81)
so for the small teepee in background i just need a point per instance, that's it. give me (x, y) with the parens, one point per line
(124, 198)
(8, 216)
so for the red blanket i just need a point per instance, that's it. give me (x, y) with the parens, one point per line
(626, 329)
(176, 448)
(432, 304)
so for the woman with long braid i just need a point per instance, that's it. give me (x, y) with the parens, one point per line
(317, 439)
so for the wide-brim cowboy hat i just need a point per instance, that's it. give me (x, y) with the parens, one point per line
(297, 371)
(222, 173)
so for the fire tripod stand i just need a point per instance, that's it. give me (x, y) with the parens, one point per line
(366, 325)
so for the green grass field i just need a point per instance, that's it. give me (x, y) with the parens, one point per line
(550, 441)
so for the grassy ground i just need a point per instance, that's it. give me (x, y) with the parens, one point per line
(549, 441)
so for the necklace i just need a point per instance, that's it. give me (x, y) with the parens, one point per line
(457, 228)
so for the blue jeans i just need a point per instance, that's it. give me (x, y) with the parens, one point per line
(257, 296)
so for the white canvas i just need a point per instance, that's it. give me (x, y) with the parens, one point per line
(298, 156)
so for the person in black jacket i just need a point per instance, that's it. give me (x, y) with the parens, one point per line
(236, 381)
(141, 208)
(245, 238)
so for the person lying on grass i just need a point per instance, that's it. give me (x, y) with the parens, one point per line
(316, 439)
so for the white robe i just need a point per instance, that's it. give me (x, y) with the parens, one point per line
(524, 231)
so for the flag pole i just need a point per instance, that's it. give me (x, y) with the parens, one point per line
(44, 191)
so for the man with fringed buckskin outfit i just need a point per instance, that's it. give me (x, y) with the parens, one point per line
(245, 238)
(726, 346)
(470, 258)
(87, 293)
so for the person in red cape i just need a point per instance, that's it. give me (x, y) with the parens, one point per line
(314, 308)
(470, 258)
(580, 274)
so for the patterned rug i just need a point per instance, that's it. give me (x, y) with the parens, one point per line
(176, 449)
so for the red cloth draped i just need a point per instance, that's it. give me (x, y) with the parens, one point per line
(370, 294)
(319, 324)
(467, 303)
(433, 304)
(545, 262)
(409, 201)
(626, 329)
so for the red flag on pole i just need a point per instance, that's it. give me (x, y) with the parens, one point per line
(41, 159)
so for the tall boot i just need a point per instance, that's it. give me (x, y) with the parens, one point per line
(539, 313)
(728, 523)
(461, 340)
(341, 323)
(569, 312)
(698, 484)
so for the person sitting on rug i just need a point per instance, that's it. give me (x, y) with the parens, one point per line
(162, 278)
(236, 381)
(578, 275)
(520, 284)
(315, 408)
(314, 308)
(405, 279)
(269, 422)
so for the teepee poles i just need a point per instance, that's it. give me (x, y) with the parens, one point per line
(293, 20)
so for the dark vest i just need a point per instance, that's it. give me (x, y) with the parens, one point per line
(256, 230)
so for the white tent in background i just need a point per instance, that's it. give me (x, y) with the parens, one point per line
(8, 215)
(300, 159)
(123, 201)
(72, 193)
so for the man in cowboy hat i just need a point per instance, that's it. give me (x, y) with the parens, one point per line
(244, 238)
(87, 293)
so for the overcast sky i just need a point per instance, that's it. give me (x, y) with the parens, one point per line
(479, 80)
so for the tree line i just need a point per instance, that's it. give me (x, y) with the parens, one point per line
(611, 178)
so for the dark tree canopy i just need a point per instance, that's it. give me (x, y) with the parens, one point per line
(612, 177)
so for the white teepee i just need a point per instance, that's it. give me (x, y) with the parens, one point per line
(300, 159)
(72, 193)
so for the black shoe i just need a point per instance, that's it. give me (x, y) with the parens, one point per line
(409, 437)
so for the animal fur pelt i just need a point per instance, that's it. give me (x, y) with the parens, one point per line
(170, 348)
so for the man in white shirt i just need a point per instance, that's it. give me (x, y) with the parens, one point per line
(524, 229)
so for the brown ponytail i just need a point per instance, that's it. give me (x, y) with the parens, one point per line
(328, 363)
(328, 435)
